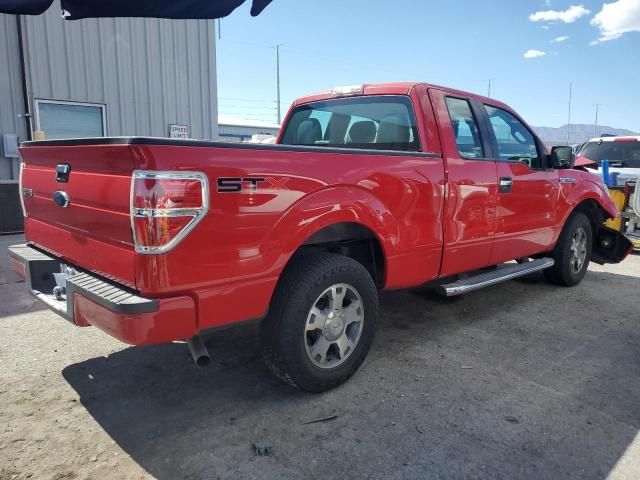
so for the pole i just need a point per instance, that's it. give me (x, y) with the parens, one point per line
(569, 120)
(23, 77)
(278, 79)
(489, 89)
(595, 125)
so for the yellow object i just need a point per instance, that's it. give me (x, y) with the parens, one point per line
(617, 195)
(39, 135)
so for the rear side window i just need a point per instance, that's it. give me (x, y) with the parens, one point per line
(465, 128)
(374, 122)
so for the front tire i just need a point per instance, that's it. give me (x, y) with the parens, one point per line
(321, 322)
(572, 252)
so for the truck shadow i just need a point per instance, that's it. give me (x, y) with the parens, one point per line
(177, 421)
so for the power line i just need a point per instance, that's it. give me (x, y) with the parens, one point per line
(314, 57)
(247, 100)
(245, 114)
(251, 100)
(248, 107)
(266, 118)
(251, 44)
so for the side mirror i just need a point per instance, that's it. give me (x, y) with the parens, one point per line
(562, 157)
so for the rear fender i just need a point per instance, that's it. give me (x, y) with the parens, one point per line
(328, 207)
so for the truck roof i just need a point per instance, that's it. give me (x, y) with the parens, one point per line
(390, 88)
(617, 138)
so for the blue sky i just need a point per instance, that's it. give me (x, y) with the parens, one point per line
(458, 44)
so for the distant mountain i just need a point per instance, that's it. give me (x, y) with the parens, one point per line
(580, 132)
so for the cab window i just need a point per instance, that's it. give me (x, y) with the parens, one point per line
(372, 122)
(515, 141)
(465, 128)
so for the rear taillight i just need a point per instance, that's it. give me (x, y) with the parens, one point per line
(165, 207)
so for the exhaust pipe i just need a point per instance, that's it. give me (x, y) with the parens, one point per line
(198, 351)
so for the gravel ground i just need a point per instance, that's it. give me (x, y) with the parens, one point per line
(523, 380)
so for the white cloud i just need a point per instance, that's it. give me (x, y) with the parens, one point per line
(617, 18)
(534, 54)
(545, 27)
(561, 39)
(570, 15)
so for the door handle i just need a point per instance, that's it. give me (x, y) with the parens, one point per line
(505, 184)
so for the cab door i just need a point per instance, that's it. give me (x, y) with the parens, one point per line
(471, 185)
(528, 189)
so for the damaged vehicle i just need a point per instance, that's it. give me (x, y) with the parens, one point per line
(369, 187)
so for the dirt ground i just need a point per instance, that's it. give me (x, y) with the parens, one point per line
(523, 380)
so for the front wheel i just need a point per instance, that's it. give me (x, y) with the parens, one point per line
(572, 252)
(321, 322)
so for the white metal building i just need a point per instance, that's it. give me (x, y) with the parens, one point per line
(233, 129)
(104, 77)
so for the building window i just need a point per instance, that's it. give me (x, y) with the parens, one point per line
(59, 119)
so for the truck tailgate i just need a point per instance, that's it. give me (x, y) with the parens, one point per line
(82, 216)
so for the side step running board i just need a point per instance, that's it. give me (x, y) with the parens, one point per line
(502, 273)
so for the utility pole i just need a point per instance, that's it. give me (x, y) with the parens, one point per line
(489, 89)
(595, 125)
(26, 85)
(278, 78)
(569, 120)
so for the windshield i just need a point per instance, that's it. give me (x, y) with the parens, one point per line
(620, 154)
(375, 122)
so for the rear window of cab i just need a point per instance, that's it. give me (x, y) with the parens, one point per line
(370, 122)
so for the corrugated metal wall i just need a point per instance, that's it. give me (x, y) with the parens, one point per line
(11, 100)
(149, 72)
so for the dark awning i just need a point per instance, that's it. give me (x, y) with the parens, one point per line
(76, 9)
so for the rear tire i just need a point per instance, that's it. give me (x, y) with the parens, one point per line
(321, 322)
(572, 252)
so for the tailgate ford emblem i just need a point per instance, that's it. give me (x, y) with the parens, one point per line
(61, 198)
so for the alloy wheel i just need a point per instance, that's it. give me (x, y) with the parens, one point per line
(578, 250)
(334, 326)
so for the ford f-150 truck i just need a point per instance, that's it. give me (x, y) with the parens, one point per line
(369, 187)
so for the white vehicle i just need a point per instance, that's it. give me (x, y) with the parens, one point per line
(623, 154)
(263, 138)
(636, 204)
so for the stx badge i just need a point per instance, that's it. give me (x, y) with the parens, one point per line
(237, 184)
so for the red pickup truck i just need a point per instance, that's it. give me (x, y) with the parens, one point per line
(369, 187)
